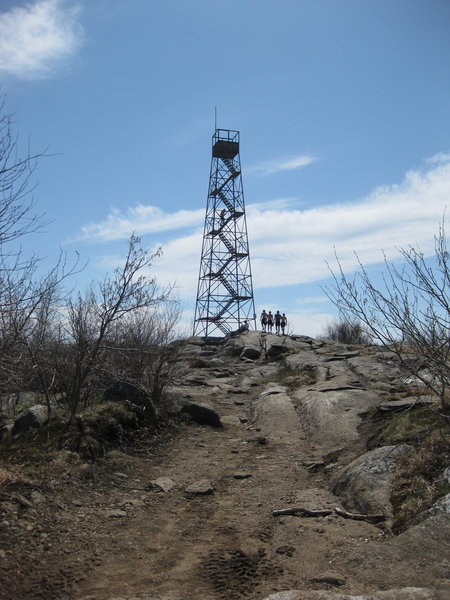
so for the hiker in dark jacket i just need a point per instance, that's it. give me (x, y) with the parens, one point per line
(263, 320)
(277, 322)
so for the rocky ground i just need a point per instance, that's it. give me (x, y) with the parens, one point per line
(191, 514)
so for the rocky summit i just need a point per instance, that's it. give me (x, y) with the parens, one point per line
(283, 476)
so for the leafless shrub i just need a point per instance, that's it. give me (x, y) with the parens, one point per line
(347, 332)
(409, 313)
(140, 348)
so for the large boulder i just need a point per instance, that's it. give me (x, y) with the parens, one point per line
(276, 351)
(202, 414)
(365, 484)
(251, 352)
(441, 507)
(36, 416)
(135, 397)
(246, 345)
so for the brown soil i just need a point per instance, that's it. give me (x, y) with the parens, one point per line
(100, 531)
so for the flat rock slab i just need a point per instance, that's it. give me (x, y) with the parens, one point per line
(332, 387)
(274, 414)
(409, 593)
(115, 514)
(331, 419)
(202, 487)
(304, 360)
(165, 484)
(274, 388)
(405, 404)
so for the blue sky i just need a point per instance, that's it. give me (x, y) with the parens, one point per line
(342, 106)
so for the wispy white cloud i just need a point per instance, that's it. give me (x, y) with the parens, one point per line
(140, 219)
(36, 38)
(282, 164)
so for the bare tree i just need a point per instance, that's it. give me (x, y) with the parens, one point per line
(409, 313)
(17, 216)
(21, 291)
(86, 333)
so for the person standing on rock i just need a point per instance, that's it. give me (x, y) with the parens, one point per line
(269, 322)
(263, 320)
(277, 322)
(283, 323)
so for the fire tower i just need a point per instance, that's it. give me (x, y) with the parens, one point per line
(225, 291)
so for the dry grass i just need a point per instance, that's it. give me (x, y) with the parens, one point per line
(419, 481)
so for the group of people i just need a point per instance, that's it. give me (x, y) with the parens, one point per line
(268, 320)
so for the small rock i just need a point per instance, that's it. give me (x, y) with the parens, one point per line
(287, 550)
(312, 465)
(261, 440)
(241, 475)
(329, 577)
(37, 497)
(23, 501)
(115, 514)
(165, 484)
(202, 487)
(2, 554)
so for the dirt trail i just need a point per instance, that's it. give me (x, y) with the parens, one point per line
(227, 544)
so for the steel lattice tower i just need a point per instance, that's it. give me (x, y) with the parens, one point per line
(225, 291)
